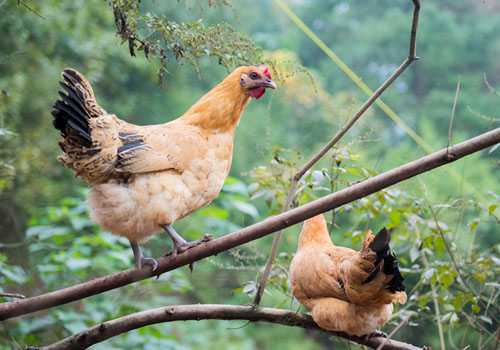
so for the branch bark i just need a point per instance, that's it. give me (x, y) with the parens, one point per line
(109, 329)
(412, 56)
(255, 231)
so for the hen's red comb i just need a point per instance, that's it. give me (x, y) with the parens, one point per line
(266, 72)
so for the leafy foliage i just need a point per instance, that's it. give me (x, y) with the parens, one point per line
(158, 36)
(7, 171)
(426, 239)
(47, 240)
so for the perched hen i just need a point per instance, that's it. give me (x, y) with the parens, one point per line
(144, 178)
(346, 290)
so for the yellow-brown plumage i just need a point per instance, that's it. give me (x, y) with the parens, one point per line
(145, 177)
(346, 290)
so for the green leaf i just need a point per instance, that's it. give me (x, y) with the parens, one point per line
(439, 245)
(475, 308)
(46, 232)
(214, 212)
(246, 208)
(492, 208)
(447, 278)
(414, 253)
(429, 273)
(14, 273)
(77, 263)
(493, 284)
(474, 224)
(395, 217)
(354, 171)
(486, 319)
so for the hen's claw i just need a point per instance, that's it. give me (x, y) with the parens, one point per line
(148, 261)
(191, 244)
(180, 245)
(140, 260)
(376, 334)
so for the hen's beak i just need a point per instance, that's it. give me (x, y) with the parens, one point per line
(268, 83)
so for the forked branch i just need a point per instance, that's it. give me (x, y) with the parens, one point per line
(412, 56)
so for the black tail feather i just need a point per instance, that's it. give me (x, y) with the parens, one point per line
(380, 245)
(70, 115)
(391, 267)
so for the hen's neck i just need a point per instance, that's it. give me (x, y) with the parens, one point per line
(220, 108)
(314, 232)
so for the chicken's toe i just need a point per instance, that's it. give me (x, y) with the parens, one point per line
(180, 245)
(376, 334)
(148, 261)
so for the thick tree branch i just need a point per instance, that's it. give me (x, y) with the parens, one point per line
(198, 312)
(412, 56)
(255, 231)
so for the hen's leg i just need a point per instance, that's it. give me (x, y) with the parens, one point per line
(180, 244)
(140, 260)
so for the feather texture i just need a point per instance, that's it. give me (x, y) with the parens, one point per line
(338, 283)
(142, 177)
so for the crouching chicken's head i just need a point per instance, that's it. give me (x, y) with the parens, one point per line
(255, 79)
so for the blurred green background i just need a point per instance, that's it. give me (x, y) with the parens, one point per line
(47, 241)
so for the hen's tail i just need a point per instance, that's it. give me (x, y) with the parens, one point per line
(87, 130)
(386, 261)
(76, 106)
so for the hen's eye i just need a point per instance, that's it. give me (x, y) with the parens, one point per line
(254, 76)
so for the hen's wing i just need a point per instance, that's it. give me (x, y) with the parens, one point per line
(170, 146)
(99, 146)
(316, 273)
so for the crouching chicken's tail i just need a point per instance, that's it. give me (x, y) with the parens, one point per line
(386, 264)
(390, 265)
(76, 113)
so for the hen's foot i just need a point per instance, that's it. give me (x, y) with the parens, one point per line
(140, 260)
(191, 244)
(376, 334)
(180, 245)
(148, 261)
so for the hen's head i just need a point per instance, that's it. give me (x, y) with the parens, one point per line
(255, 79)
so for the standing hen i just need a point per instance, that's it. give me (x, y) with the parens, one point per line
(144, 178)
(346, 290)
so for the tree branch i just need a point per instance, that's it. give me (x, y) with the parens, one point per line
(412, 56)
(255, 231)
(124, 324)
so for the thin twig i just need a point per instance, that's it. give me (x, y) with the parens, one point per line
(453, 259)
(274, 248)
(436, 306)
(406, 63)
(12, 295)
(403, 322)
(452, 117)
(109, 329)
(336, 138)
(434, 295)
(31, 9)
(488, 85)
(270, 225)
